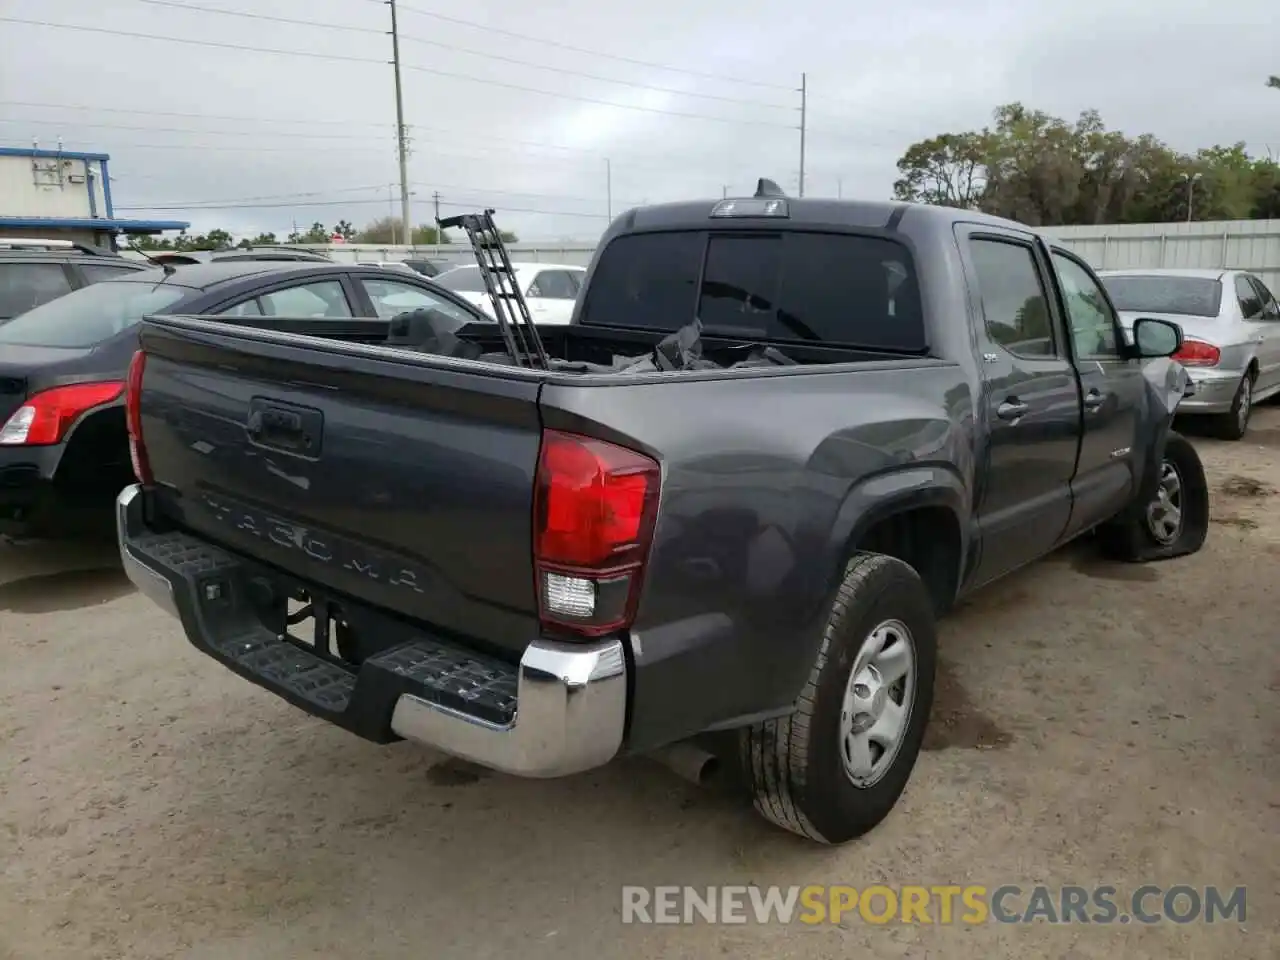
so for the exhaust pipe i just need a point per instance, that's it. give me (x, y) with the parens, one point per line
(687, 761)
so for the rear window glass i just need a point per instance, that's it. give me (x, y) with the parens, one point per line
(27, 285)
(462, 280)
(1187, 296)
(806, 286)
(90, 315)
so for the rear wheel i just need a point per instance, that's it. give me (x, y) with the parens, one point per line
(1235, 423)
(835, 768)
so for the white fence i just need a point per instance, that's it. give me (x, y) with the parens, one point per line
(1243, 244)
(1252, 245)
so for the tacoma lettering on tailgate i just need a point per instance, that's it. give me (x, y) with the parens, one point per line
(327, 548)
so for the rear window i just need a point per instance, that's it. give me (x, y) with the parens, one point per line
(90, 315)
(24, 286)
(1187, 296)
(805, 286)
(462, 280)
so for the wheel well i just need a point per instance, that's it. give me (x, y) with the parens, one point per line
(925, 538)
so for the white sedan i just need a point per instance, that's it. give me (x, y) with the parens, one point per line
(549, 289)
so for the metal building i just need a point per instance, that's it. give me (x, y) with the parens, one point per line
(64, 195)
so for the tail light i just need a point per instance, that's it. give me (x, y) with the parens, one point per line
(133, 417)
(1197, 353)
(45, 418)
(594, 510)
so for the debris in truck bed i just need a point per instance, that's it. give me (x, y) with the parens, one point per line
(432, 331)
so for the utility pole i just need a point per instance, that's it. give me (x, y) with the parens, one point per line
(402, 136)
(839, 188)
(1191, 191)
(608, 188)
(435, 198)
(724, 192)
(804, 121)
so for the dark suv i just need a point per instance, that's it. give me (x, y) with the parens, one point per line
(34, 271)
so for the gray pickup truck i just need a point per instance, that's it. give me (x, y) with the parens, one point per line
(539, 568)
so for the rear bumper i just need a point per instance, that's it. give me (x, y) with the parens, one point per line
(28, 500)
(560, 711)
(1214, 392)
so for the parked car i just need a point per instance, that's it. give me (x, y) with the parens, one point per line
(34, 271)
(549, 289)
(1231, 323)
(538, 567)
(63, 446)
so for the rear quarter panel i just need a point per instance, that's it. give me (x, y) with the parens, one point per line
(764, 480)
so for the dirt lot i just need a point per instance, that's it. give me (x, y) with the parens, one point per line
(1097, 723)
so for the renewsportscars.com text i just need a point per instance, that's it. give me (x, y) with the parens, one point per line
(937, 904)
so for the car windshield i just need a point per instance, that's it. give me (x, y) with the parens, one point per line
(90, 315)
(1187, 296)
(462, 280)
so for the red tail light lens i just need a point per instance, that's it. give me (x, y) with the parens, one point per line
(594, 510)
(46, 417)
(1197, 353)
(133, 417)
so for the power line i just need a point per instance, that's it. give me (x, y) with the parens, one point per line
(592, 53)
(244, 48)
(249, 201)
(287, 134)
(454, 48)
(504, 209)
(196, 116)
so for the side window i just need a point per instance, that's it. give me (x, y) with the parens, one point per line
(1013, 300)
(93, 272)
(249, 308)
(27, 285)
(554, 285)
(1270, 308)
(324, 298)
(1093, 329)
(391, 299)
(1250, 301)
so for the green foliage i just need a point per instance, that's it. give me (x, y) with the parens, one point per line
(1043, 170)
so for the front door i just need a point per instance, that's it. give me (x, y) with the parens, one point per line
(1267, 330)
(1030, 402)
(1113, 390)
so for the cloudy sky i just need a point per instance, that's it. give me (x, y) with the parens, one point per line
(251, 115)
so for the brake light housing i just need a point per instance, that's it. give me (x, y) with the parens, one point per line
(133, 418)
(46, 418)
(1197, 353)
(595, 504)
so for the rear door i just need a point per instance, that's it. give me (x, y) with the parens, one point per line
(1113, 391)
(1265, 327)
(1030, 401)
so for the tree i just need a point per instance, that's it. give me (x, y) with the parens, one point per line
(947, 170)
(345, 230)
(1041, 170)
(262, 239)
(1273, 82)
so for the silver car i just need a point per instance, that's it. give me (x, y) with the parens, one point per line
(1231, 322)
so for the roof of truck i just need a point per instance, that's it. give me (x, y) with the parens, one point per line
(853, 214)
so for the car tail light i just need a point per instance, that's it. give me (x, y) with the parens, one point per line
(133, 417)
(46, 417)
(1197, 353)
(594, 510)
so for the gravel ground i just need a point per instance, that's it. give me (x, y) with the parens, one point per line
(1096, 723)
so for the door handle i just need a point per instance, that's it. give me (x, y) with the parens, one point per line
(1094, 400)
(1012, 409)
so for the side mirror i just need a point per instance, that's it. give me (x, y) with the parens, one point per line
(1156, 338)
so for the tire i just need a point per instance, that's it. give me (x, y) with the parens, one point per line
(1234, 424)
(795, 766)
(1138, 537)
